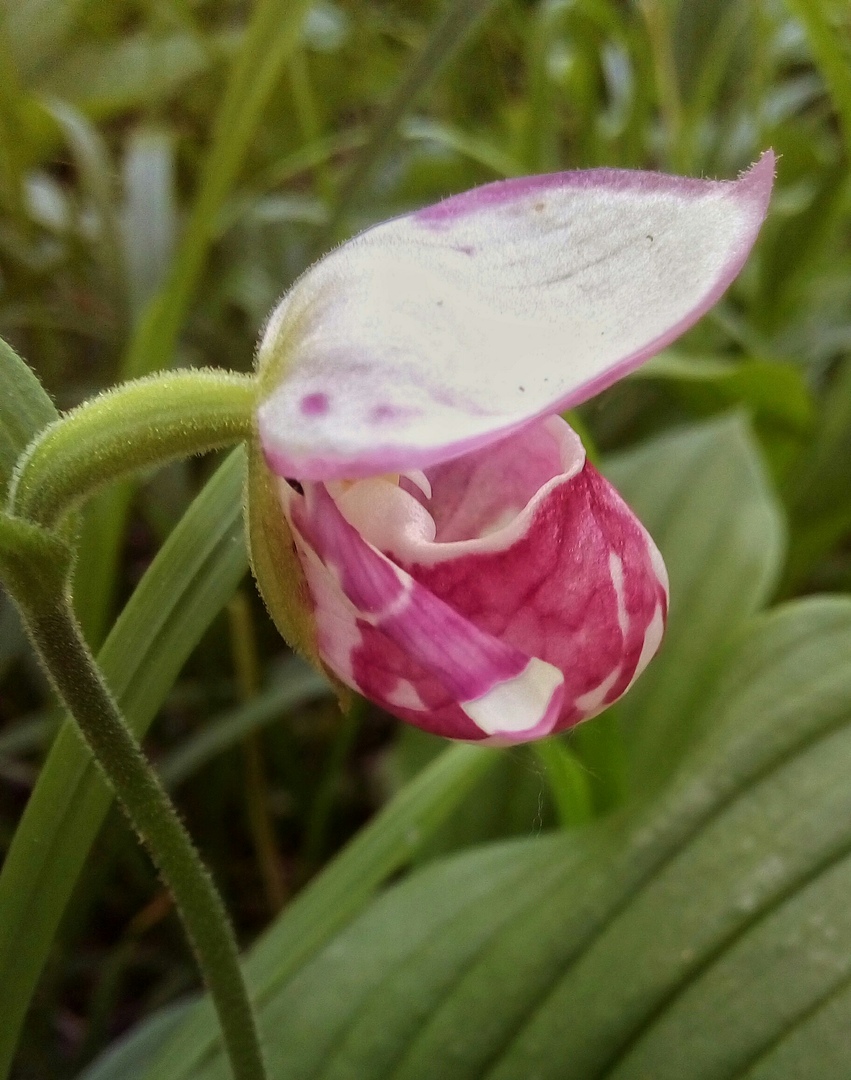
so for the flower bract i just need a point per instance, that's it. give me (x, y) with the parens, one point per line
(423, 522)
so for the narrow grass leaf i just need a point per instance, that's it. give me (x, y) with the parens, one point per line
(295, 686)
(91, 157)
(150, 212)
(458, 22)
(25, 409)
(343, 889)
(269, 40)
(830, 52)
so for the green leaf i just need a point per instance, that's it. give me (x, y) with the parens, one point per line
(568, 781)
(343, 889)
(691, 939)
(37, 28)
(769, 389)
(818, 491)
(136, 1050)
(830, 52)
(512, 799)
(296, 685)
(188, 583)
(703, 496)
(126, 73)
(24, 410)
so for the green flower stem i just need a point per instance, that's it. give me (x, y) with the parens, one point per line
(41, 589)
(136, 426)
(33, 562)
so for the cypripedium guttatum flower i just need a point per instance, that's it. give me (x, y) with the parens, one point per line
(423, 522)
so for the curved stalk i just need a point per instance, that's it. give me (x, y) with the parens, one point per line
(134, 427)
(69, 664)
(35, 565)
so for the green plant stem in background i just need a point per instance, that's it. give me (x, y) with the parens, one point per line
(62, 650)
(270, 38)
(459, 20)
(139, 425)
(656, 18)
(828, 53)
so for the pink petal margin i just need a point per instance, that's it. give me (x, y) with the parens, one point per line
(306, 432)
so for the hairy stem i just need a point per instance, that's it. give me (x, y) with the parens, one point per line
(56, 635)
(136, 426)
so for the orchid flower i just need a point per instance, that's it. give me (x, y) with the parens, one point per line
(423, 523)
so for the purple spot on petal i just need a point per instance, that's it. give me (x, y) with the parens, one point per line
(385, 412)
(315, 404)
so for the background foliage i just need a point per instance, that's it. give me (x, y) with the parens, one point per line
(661, 893)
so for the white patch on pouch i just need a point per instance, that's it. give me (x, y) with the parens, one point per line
(517, 704)
(652, 640)
(616, 572)
(404, 695)
(592, 700)
(658, 564)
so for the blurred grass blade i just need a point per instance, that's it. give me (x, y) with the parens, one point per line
(25, 409)
(150, 213)
(31, 732)
(136, 71)
(12, 644)
(296, 685)
(12, 133)
(818, 491)
(484, 152)
(342, 890)
(281, 173)
(271, 36)
(133, 1053)
(98, 559)
(458, 22)
(269, 40)
(832, 59)
(188, 583)
(36, 29)
(91, 157)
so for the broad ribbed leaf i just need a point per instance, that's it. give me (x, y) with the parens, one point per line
(691, 941)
